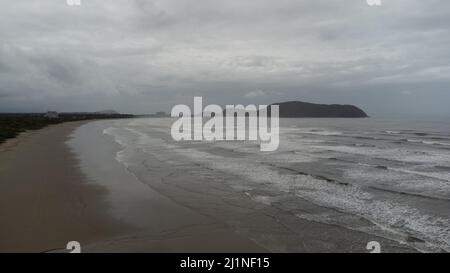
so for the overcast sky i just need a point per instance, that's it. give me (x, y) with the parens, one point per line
(142, 56)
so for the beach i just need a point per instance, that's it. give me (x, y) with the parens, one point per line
(46, 201)
(75, 182)
(225, 127)
(43, 200)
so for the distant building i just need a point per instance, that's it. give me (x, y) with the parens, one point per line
(51, 115)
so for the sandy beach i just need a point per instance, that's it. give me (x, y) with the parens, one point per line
(47, 201)
(68, 183)
(44, 202)
(225, 127)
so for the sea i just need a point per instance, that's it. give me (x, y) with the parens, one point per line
(385, 177)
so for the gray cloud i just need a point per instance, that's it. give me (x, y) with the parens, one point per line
(143, 56)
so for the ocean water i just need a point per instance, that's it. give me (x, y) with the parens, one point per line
(389, 178)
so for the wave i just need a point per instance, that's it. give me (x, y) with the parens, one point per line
(407, 132)
(366, 138)
(392, 132)
(324, 133)
(403, 192)
(265, 171)
(298, 172)
(437, 176)
(440, 138)
(426, 142)
(328, 192)
(430, 185)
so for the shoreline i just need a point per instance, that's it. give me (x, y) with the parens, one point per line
(222, 197)
(47, 200)
(44, 202)
(64, 183)
(156, 222)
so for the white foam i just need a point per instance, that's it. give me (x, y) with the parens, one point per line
(389, 216)
(350, 199)
(411, 156)
(401, 180)
(392, 132)
(322, 132)
(427, 142)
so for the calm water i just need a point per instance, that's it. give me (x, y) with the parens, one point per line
(389, 178)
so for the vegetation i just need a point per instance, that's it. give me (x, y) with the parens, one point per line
(13, 124)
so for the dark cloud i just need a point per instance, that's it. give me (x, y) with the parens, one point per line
(144, 56)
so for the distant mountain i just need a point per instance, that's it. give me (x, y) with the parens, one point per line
(298, 109)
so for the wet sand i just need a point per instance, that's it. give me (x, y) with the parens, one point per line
(43, 201)
(46, 200)
(63, 183)
(223, 197)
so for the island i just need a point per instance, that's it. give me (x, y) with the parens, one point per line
(299, 109)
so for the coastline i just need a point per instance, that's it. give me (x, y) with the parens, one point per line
(219, 196)
(64, 183)
(44, 203)
(48, 200)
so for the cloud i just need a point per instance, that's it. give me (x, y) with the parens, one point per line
(120, 54)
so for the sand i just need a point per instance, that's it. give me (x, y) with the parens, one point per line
(43, 201)
(63, 183)
(46, 201)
